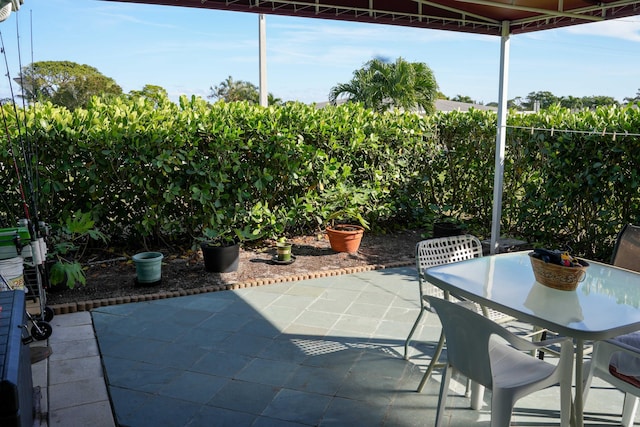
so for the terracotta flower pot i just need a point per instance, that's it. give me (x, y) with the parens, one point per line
(345, 237)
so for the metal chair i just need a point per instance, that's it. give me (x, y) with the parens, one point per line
(493, 357)
(617, 361)
(440, 251)
(626, 252)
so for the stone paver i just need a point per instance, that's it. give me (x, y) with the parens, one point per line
(275, 355)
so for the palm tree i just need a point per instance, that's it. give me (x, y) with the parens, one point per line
(231, 90)
(235, 90)
(631, 100)
(380, 85)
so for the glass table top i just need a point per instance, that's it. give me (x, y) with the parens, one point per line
(606, 303)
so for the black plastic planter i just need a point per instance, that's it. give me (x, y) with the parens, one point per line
(446, 229)
(220, 259)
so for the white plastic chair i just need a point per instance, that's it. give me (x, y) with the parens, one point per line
(438, 251)
(493, 357)
(617, 361)
(621, 376)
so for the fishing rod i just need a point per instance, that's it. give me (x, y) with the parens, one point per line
(38, 246)
(31, 160)
(32, 221)
(35, 103)
(15, 163)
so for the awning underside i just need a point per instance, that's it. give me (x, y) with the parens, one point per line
(472, 16)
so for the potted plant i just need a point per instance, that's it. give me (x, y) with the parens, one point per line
(347, 206)
(221, 249)
(445, 225)
(283, 251)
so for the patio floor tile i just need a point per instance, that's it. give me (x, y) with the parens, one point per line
(319, 352)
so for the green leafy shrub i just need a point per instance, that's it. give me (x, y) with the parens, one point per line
(70, 241)
(155, 172)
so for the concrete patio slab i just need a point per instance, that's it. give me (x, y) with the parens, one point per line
(321, 352)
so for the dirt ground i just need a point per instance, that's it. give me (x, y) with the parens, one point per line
(112, 276)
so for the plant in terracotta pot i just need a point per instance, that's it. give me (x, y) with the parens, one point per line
(347, 206)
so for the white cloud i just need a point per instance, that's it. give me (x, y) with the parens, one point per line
(341, 32)
(625, 29)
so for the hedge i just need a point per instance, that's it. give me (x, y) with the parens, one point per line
(162, 172)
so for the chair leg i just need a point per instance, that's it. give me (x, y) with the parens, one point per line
(542, 338)
(629, 409)
(587, 376)
(501, 408)
(432, 364)
(444, 391)
(413, 329)
(537, 334)
(567, 411)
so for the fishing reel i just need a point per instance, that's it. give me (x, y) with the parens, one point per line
(8, 6)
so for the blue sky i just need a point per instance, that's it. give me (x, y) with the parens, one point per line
(187, 51)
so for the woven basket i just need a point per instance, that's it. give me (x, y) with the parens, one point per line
(558, 276)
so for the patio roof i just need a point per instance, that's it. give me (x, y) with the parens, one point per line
(470, 16)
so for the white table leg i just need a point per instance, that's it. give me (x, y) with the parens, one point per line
(477, 396)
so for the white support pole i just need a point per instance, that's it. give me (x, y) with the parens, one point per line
(262, 30)
(500, 137)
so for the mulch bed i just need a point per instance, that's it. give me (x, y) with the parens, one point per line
(111, 276)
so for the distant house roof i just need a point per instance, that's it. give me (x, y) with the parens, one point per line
(441, 105)
(446, 105)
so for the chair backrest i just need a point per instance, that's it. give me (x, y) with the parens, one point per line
(626, 252)
(468, 336)
(443, 250)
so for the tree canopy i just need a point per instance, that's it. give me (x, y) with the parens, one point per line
(154, 93)
(231, 90)
(464, 98)
(636, 98)
(545, 99)
(382, 85)
(64, 83)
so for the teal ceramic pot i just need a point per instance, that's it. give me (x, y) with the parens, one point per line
(148, 267)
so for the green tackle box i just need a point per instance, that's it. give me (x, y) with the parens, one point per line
(8, 242)
(7, 235)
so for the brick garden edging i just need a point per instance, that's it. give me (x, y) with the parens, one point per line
(89, 305)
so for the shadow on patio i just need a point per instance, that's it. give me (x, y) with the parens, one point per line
(326, 351)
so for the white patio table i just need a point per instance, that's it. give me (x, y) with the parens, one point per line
(604, 305)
